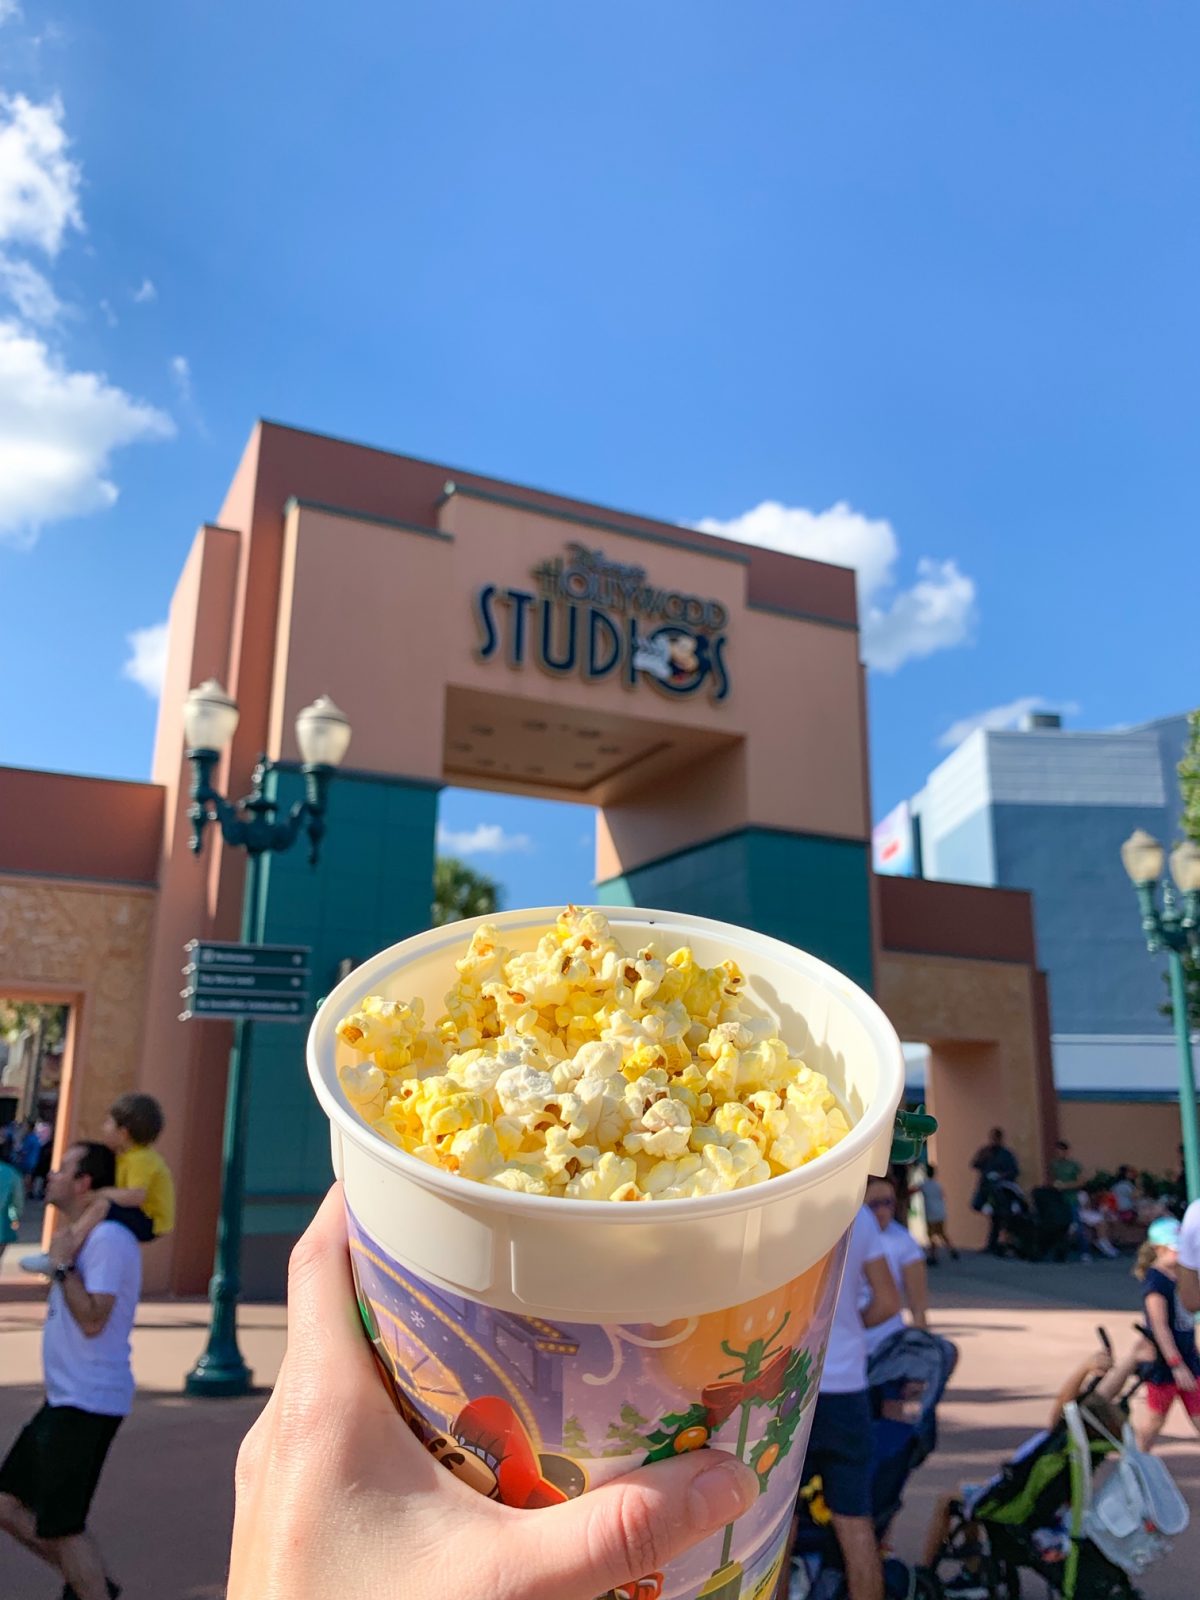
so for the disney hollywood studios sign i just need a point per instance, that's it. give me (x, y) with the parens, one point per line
(599, 619)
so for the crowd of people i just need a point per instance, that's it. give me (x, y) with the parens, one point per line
(885, 1290)
(1068, 1214)
(26, 1148)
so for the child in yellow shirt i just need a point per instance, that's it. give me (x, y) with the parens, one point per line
(143, 1198)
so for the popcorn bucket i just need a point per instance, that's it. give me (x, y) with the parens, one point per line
(540, 1347)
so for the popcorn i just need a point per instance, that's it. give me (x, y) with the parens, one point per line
(577, 1069)
(663, 1130)
(366, 1089)
(613, 1177)
(389, 1031)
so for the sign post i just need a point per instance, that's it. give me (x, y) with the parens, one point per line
(267, 982)
(246, 982)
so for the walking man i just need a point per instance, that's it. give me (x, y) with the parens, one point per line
(50, 1474)
(995, 1164)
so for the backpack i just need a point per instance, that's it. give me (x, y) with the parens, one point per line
(1137, 1509)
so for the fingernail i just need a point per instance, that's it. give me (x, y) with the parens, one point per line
(720, 1494)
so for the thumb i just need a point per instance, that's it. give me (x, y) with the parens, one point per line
(634, 1526)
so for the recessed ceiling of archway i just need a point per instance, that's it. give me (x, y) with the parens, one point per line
(528, 746)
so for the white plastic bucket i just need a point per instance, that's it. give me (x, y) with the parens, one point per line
(583, 1331)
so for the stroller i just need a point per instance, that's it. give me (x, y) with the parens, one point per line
(1053, 1224)
(1041, 1514)
(907, 1377)
(1011, 1210)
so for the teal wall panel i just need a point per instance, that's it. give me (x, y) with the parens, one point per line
(814, 892)
(372, 886)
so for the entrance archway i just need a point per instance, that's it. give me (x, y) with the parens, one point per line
(706, 698)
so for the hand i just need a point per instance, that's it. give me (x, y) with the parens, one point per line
(1100, 1363)
(335, 1496)
(1183, 1378)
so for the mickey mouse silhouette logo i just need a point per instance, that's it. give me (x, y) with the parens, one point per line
(676, 658)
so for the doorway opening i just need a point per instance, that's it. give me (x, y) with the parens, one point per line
(34, 1048)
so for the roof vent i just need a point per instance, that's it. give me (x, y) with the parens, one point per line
(1041, 719)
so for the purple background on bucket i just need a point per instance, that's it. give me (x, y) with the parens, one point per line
(533, 1410)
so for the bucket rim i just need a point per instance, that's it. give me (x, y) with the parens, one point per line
(864, 1135)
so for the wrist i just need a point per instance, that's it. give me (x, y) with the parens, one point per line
(63, 1271)
(1174, 1361)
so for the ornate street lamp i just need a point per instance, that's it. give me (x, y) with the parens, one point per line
(1175, 928)
(323, 735)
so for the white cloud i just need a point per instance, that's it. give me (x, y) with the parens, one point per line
(144, 292)
(181, 376)
(58, 427)
(57, 431)
(898, 625)
(10, 11)
(29, 290)
(488, 838)
(997, 717)
(39, 183)
(39, 199)
(147, 658)
(936, 613)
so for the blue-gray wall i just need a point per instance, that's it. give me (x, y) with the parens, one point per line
(811, 891)
(1089, 935)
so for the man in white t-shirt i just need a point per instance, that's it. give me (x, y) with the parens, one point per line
(49, 1476)
(1188, 1267)
(839, 1447)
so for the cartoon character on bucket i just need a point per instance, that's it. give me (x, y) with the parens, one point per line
(491, 1449)
(492, 1453)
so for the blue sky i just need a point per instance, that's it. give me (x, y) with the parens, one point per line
(919, 279)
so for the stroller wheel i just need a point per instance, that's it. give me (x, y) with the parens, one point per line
(1010, 1582)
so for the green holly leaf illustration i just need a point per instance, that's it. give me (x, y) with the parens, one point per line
(774, 1445)
(667, 1438)
(796, 1380)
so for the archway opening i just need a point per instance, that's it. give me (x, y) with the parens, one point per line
(536, 852)
(35, 1046)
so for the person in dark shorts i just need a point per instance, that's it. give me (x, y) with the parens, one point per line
(48, 1478)
(839, 1446)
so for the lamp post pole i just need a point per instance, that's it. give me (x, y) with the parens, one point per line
(221, 1371)
(323, 734)
(1187, 1076)
(1173, 928)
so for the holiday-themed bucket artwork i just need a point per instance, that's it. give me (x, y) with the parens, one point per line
(533, 1413)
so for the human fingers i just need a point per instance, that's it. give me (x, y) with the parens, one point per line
(325, 1338)
(331, 1398)
(631, 1527)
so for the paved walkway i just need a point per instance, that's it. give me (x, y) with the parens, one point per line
(164, 1507)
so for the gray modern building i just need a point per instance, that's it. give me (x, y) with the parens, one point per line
(1046, 808)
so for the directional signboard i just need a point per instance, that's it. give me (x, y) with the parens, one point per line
(246, 957)
(262, 982)
(250, 982)
(263, 1008)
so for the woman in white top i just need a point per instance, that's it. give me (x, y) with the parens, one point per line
(906, 1261)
